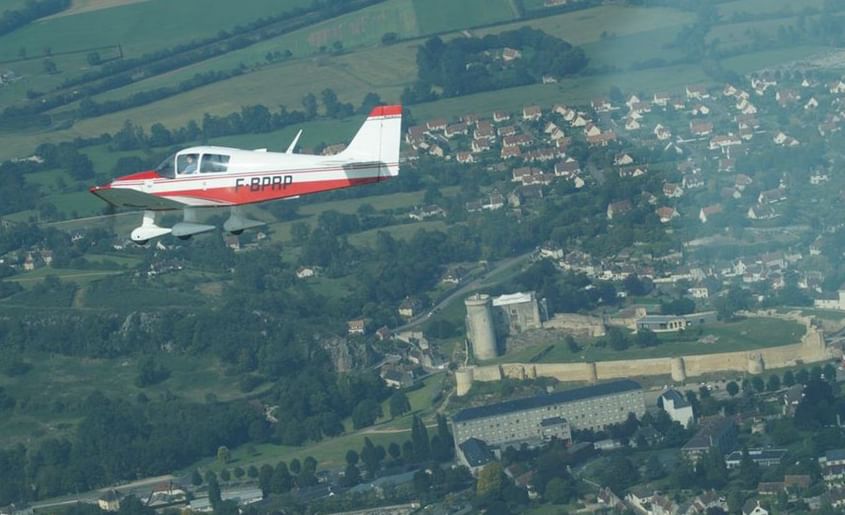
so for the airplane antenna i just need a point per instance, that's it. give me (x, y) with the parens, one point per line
(293, 143)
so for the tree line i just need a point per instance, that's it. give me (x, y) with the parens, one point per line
(13, 19)
(463, 66)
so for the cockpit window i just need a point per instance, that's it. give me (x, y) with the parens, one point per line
(186, 164)
(213, 163)
(165, 169)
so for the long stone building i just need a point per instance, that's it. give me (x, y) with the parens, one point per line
(541, 417)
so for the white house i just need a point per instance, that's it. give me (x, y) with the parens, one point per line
(677, 407)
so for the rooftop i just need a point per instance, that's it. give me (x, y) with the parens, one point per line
(540, 401)
(513, 298)
(476, 452)
(678, 400)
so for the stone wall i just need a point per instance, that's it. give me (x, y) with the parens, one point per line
(811, 349)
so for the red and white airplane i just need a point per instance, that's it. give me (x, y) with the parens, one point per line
(208, 176)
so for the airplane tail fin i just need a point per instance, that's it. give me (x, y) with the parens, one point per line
(379, 138)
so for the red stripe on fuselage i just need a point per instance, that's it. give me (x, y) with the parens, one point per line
(247, 194)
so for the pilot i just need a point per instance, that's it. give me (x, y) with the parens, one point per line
(190, 166)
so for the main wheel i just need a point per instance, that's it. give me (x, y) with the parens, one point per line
(141, 243)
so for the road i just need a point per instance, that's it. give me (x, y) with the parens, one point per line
(140, 488)
(476, 283)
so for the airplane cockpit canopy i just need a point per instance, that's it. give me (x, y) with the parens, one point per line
(191, 162)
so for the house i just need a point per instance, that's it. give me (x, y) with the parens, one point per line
(639, 108)
(631, 124)
(493, 201)
(836, 87)
(410, 307)
(662, 133)
(484, 130)
(811, 104)
(384, 333)
(661, 99)
(509, 152)
(551, 250)
(396, 378)
(438, 124)
(480, 145)
(109, 501)
(696, 92)
(507, 130)
(517, 140)
(761, 212)
(767, 457)
(677, 407)
(729, 90)
(666, 214)
(474, 454)
(727, 165)
(592, 130)
(673, 190)
(787, 97)
(699, 293)
(304, 272)
(425, 212)
(819, 178)
(707, 213)
(29, 263)
(785, 140)
(722, 142)
(633, 171)
(602, 139)
(700, 128)
(601, 104)
(522, 173)
(531, 113)
(358, 326)
(623, 159)
(753, 507)
(692, 181)
(501, 116)
(742, 181)
(568, 168)
(700, 110)
(717, 433)
(772, 196)
(615, 209)
(541, 154)
(457, 129)
(579, 121)
(465, 157)
(510, 54)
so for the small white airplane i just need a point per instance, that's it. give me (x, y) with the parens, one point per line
(208, 176)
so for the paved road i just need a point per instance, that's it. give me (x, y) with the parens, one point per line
(140, 488)
(463, 290)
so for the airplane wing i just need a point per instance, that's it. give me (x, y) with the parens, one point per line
(125, 197)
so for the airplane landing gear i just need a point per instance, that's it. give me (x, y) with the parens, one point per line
(237, 223)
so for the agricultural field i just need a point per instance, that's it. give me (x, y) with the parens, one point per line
(757, 7)
(436, 16)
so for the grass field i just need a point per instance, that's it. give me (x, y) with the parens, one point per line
(748, 334)
(435, 16)
(756, 7)
(80, 277)
(330, 453)
(140, 27)
(56, 383)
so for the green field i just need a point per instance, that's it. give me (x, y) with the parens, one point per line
(139, 27)
(747, 334)
(330, 453)
(756, 7)
(55, 383)
(435, 16)
(80, 277)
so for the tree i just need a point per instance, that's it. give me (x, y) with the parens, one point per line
(829, 373)
(758, 384)
(196, 478)
(646, 338)
(295, 466)
(370, 457)
(788, 378)
(802, 376)
(732, 388)
(239, 473)
(617, 339)
(252, 472)
(749, 471)
(419, 438)
(653, 468)
(93, 58)
(224, 455)
(225, 475)
(619, 473)
(281, 480)
(559, 491)
(365, 413)
(265, 479)
(773, 384)
(394, 451)
(399, 404)
(351, 457)
(491, 480)
(351, 476)
(309, 102)
(50, 66)
(214, 492)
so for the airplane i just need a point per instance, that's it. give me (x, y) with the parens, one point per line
(211, 176)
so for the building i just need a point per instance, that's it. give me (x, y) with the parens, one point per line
(832, 466)
(480, 330)
(675, 323)
(474, 454)
(109, 501)
(762, 457)
(540, 417)
(519, 311)
(677, 407)
(716, 433)
(837, 303)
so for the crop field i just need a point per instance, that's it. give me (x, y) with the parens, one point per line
(436, 16)
(757, 7)
(748, 334)
(584, 26)
(731, 35)
(80, 277)
(140, 27)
